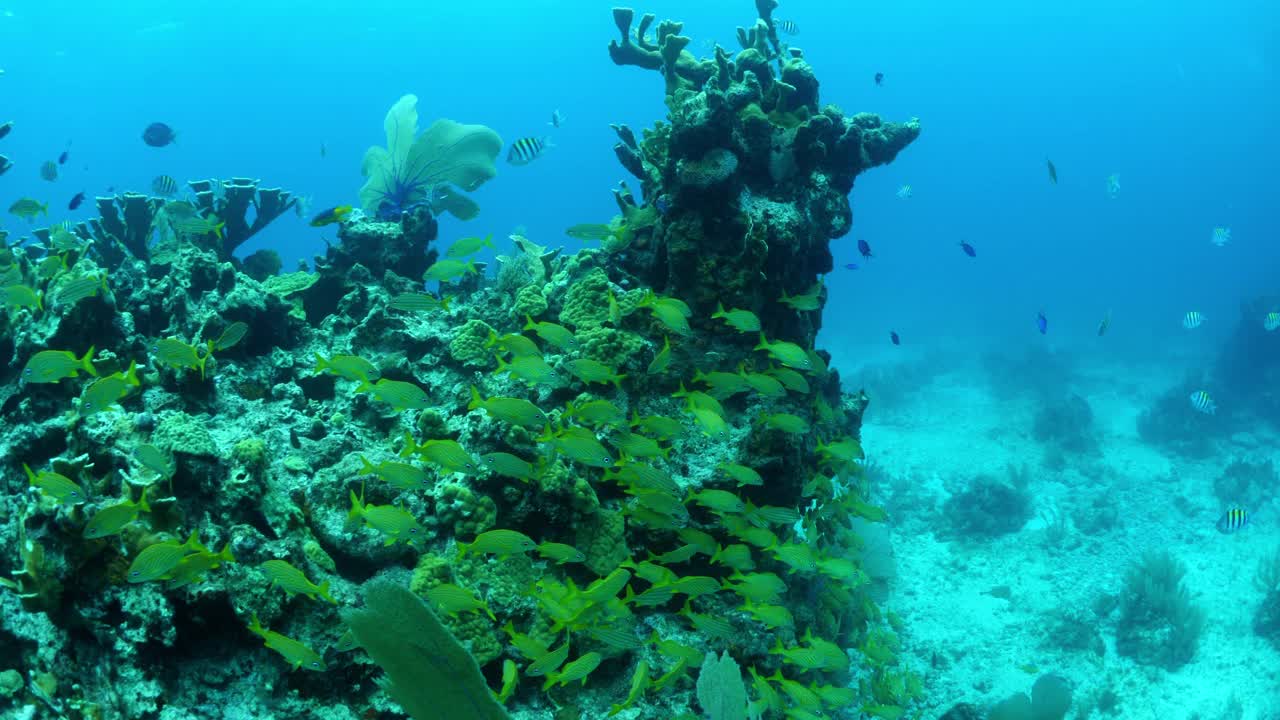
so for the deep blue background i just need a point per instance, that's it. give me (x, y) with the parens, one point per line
(1177, 98)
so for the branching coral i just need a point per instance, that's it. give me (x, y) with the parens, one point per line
(428, 169)
(226, 212)
(230, 201)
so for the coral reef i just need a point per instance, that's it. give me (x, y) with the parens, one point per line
(1159, 625)
(750, 175)
(1074, 629)
(988, 508)
(1246, 483)
(1066, 423)
(223, 215)
(1250, 359)
(1173, 424)
(1050, 700)
(1266, 620)
(632, 488)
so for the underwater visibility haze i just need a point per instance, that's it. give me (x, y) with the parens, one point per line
(770, 359)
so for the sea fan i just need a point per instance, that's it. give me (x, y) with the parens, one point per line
(428, 169)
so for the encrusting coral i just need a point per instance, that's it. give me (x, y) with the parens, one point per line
(592, 495)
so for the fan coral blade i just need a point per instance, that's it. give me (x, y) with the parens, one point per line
(451, 152)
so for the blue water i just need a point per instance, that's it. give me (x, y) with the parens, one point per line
(1177, 99)
(1181, 100)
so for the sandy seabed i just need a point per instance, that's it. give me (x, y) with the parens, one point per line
(979, 613)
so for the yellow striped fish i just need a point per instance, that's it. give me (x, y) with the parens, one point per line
(293, 581)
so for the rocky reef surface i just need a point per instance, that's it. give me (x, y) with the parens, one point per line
(618, 482)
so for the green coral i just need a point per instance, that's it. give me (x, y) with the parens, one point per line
(586, 303)
(318, 557)
(467, 345)
(251, 453)
(290, 283)
(184, 434)
(529, 301)
(504, 584)
(474, 630)
(560, 480)
(609, 345)
(431, 425)
(602, 537)
(468, 512)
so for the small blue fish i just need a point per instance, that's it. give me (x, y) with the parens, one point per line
(968, 249)
(75, 201)
(864, 248)
(893, 337)
(1042, 323)
(1232, 520)
(851, 266)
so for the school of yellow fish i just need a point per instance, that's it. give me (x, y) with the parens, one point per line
(755, 549)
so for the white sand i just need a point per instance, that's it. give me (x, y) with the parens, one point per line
(970, 645)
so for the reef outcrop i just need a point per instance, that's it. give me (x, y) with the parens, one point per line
(587, 470)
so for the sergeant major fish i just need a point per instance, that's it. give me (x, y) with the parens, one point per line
(1202, 402)
(1232, 520)
(527, 149)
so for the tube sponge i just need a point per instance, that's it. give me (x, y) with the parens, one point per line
(428, 672)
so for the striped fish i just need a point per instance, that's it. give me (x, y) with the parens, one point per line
(789, 27)
(164, 185)
(1192, 320)
(1271, 321)
(527, 149)
(1232, 520)
(1201, 401)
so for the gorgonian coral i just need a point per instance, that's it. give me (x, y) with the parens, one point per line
(428, 169)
